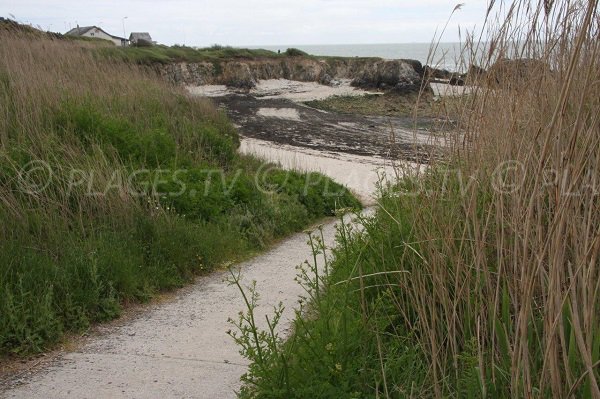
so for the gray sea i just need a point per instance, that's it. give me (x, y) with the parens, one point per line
(443, 55)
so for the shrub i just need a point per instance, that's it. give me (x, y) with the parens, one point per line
(294, 52)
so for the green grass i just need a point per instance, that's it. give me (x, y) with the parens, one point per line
(334, 345)
(161, 54)
(59, 276)
(169, 54)
(391, 104)
(146, 191)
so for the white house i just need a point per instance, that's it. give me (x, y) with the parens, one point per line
(94, 31)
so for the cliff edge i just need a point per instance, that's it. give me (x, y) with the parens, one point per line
(369, 73)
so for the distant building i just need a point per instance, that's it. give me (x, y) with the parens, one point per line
(141, 39)
(94, 31)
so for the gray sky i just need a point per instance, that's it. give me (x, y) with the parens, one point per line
(257, 22)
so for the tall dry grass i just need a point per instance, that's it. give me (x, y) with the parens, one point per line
(511, 262)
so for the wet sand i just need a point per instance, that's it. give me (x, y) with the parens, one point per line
(275, 112)
(393, 138)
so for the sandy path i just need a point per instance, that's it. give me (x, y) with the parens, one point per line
(179, 349)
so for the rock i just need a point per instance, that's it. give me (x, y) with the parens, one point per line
(394, 72)
(387, 74)
(417, 66)
(457, 80)
(238, 75)
(509, 73)
(406, 88)
(431, 73)
(188, 73)
(369, 73)
(326, 79)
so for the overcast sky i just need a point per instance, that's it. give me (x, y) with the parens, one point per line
(257, 22)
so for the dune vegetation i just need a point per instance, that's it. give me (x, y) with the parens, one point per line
(481, 276)
(115, 186)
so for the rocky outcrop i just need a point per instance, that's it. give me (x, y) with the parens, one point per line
(200, 73)
(513, 73)
(374, 73)
(435, 75)
(397, 75)
(238, 74)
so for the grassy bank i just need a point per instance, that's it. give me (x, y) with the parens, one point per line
(481, 277)
(161, 54)
(115, 186)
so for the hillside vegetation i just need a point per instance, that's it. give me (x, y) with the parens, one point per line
(115, 186)
(479, 278)
(169, 54)
(161, 54)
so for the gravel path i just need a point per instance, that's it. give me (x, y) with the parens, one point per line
(178, 349)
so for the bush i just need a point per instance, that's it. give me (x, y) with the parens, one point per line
(294, 52)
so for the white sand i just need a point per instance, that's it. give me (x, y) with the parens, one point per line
(304, 91)
(283, 88)
(359, 173)
(446, 90)
(209, 90)
(280, 113)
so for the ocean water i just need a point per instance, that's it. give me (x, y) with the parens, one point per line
(446, 55)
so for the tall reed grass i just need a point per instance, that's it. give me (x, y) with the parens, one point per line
(514, 266)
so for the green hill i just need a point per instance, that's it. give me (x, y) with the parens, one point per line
(115, 186)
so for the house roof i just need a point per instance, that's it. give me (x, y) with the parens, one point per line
(140, 36)
(82, 30)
